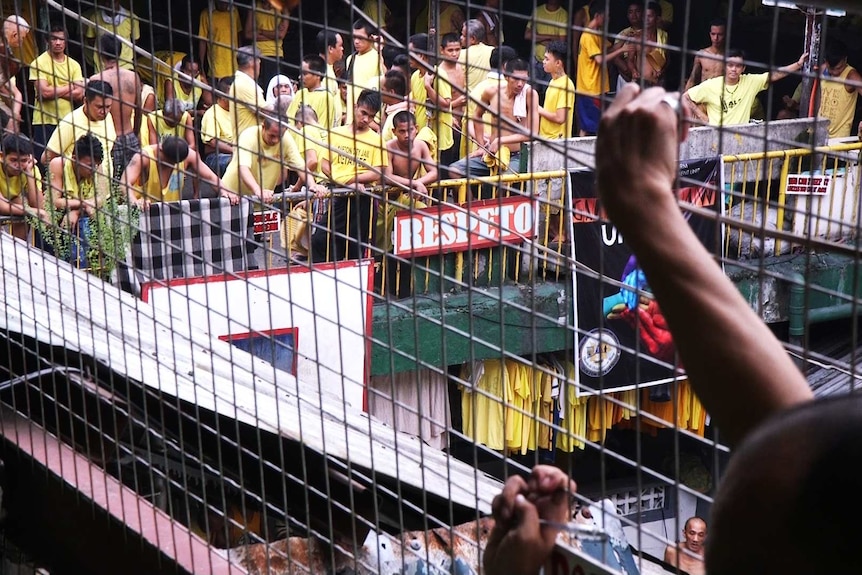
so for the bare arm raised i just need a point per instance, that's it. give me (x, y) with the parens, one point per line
(736, 365)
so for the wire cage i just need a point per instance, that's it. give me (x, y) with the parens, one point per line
(294, 287)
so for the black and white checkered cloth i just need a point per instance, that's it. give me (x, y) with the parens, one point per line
(190, 238)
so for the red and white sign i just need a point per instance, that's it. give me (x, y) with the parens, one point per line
(326, 311)
(459, 228)
(807, 184)
(268, 222)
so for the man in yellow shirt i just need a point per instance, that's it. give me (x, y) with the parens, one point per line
(330, 46)
(93, 117)
(246, 95)
(361, 66)
(326, 105)
(557, 113)
(78, 184)
(594, 54)
(475, 55)
(840, 87)
(218, 30)
(728, 99)
(261, 161)
(217, 134)
(59, 86)
(266, 27)
(547, 24)
(356, 158)
(111, 18)
(18, 182)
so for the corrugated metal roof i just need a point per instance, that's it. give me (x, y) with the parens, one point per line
(834, 365)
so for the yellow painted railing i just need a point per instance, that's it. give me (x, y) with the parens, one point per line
(542, 258)
(758, 197)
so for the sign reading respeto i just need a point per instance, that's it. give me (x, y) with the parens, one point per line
(476, 225)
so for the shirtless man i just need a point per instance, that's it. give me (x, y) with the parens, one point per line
(125, 103)
(652, 66)
(709, 62)
(408, 155)
(688, 554)
(514, 110)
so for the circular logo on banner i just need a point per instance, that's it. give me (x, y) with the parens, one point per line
(600, 352)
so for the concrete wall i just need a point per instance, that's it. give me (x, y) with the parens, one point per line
(701, 143)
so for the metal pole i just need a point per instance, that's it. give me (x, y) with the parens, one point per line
(813, 29)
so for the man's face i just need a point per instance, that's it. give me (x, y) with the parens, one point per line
(362, 118)
(465, 40)
(694, 536)
(733, 69)
(404, 133)
(361, 41)
(635, 15)
(651, 18)
(416, 58)
(517, 80)
(451, 51)
(336, 53)
(716, 36)
(97, 109)
(13, 163)
(173, 119)
(550, 63)
(84, 167)
(15, 34)
(838, 68)
(222, 5)
(192, 70)
(310, 80)
(272, 133)
(57, 42)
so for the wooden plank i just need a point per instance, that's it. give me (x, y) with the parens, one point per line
(58, 305)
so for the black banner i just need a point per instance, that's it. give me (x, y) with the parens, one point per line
(621, 334)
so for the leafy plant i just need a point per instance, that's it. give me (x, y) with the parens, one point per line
(52, 234)
(112, 229)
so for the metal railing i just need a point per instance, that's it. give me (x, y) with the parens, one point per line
(827, 210)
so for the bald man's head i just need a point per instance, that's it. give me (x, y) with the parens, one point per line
(15, 29)
(785, 503)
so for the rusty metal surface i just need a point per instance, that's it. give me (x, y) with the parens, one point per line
(93, 490)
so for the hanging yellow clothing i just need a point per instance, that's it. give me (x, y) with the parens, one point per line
(482, 405)
(574, 416)
(152, 189)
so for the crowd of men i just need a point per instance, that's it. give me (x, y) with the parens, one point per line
(449, 104)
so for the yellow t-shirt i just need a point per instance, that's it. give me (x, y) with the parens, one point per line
(11, 188)
(441, 119)
(216, 124)
(548, 23)
(346, 147)
(837, 104)
(189, 99)
(153, 189)
(592, 77)
(77, 124)
(266, 18)
(56, 74)
(246, 97)
(308, 140)
(265, 162)
(728, 105)
(221, 31)
(367, 66)
(560, 94)
(128, 28)
(323, 103)
(418, 95)
(377, 11)
(476, 60)
(163, 130)
(74, 189)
